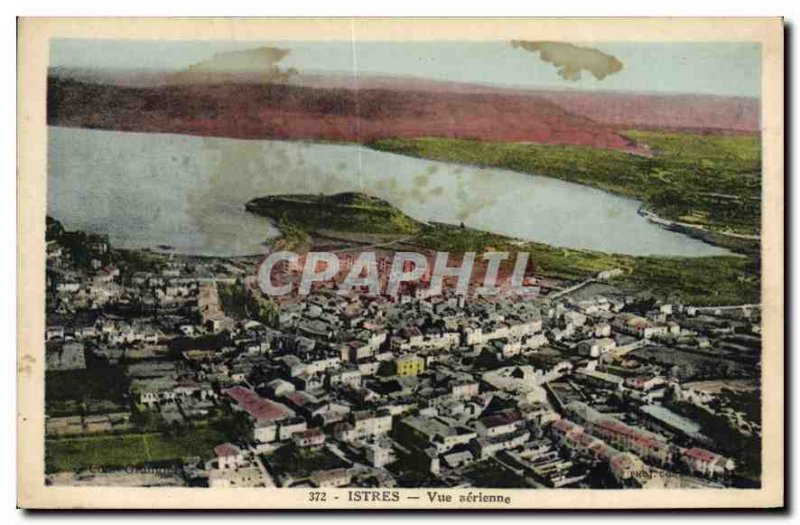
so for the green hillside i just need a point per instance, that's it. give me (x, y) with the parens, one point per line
(346, 212)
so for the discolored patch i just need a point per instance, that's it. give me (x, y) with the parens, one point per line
(572, 60)
(263, 60)
(25, 364)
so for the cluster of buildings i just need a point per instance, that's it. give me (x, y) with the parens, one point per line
(379, 391)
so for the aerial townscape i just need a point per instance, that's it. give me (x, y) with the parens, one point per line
(165, 369)
(623, 352)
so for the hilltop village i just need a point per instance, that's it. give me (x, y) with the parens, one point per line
(166, 370)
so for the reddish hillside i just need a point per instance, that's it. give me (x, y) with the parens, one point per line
(691, 112)
(294, 112)
(662, 112)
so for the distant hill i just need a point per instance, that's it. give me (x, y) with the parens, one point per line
(341, 108)
(690, 113)
(623, 110)
(291, 112)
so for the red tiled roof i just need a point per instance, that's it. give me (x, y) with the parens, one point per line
(618, 427)
(262, 410)
(701, 454)
(298, 399)
(564, 425)
(585, 439)
(227, 449)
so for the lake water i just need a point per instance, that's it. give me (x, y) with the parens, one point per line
(186, 192)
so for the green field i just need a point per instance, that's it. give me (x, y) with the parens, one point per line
(690, 280)
(126, 450)
(71, 392)
(698, 280)
(298, 464)
(708, 180)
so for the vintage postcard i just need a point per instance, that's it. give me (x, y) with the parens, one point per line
(401, 263)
